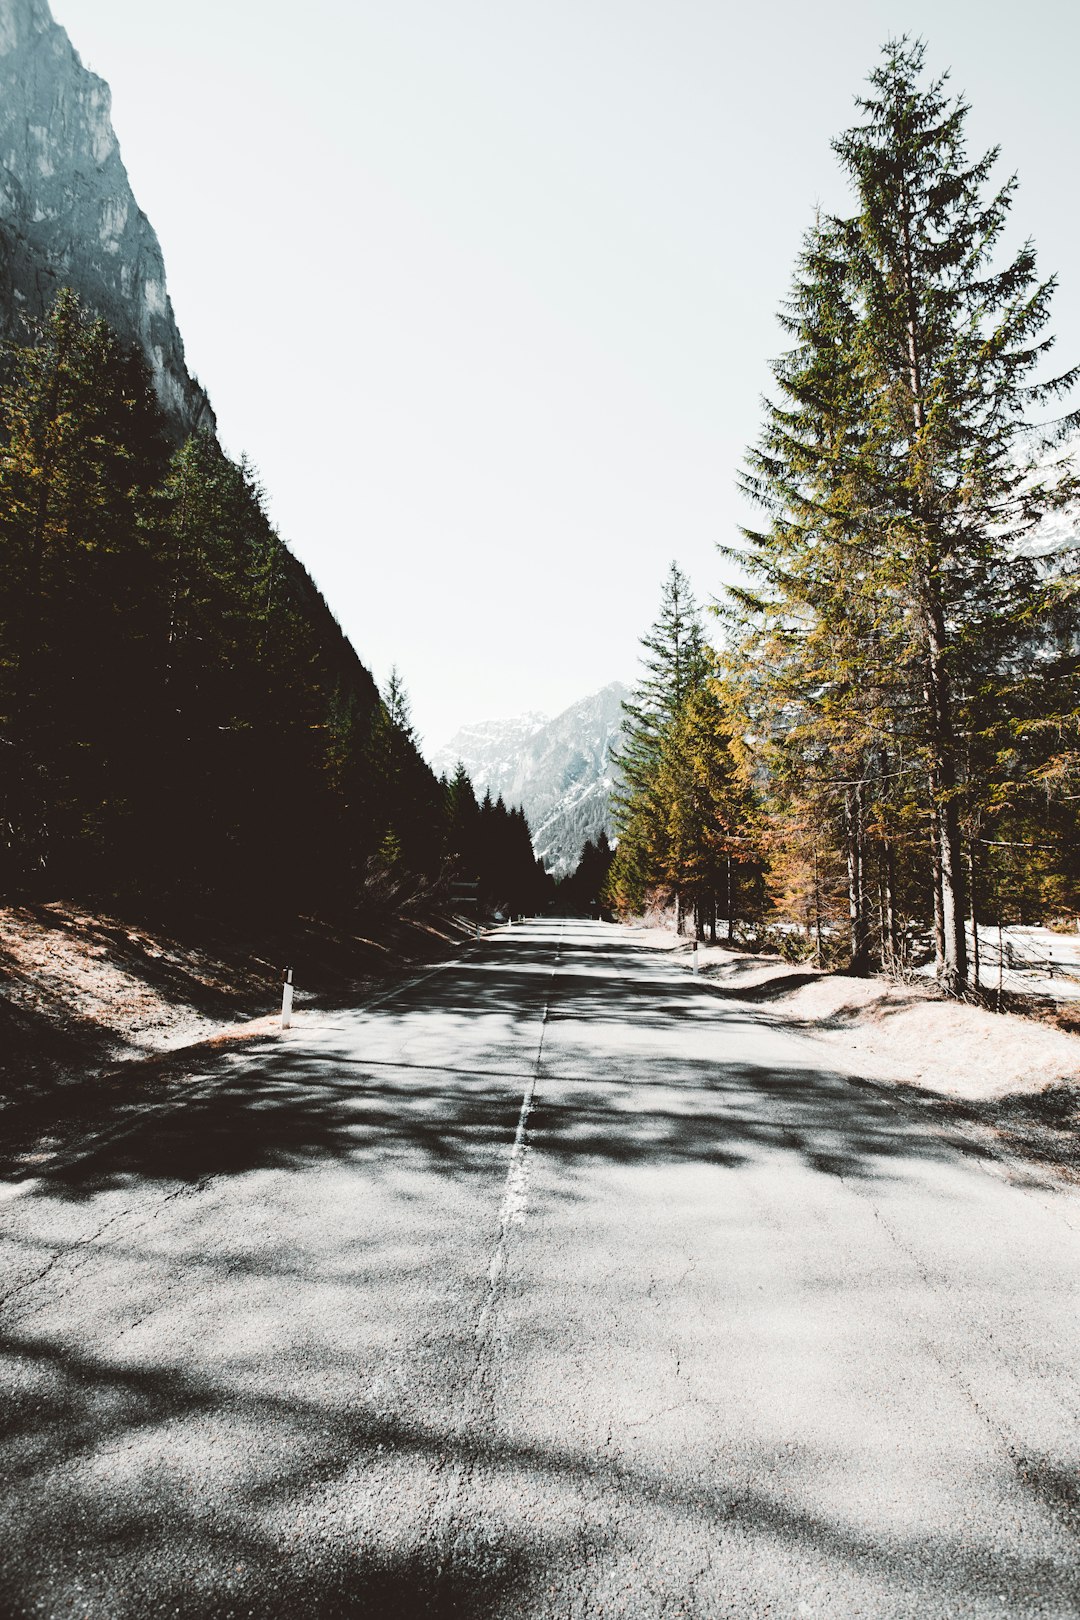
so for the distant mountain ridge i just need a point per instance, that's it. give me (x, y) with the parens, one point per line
(559, 771)
(68, 217)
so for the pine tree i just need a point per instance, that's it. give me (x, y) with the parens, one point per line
(676, 663)
(710, 847)
(398, 706)
(462, 824)
(899, 476)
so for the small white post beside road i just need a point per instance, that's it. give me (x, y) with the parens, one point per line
(695, 958)
(286, 999)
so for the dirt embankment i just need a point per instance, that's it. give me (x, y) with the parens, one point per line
(1012, 1080)
(99, 1011)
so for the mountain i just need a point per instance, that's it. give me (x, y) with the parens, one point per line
(68, 216)
(491, 751)
(559, 771)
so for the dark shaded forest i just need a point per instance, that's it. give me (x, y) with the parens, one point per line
(182, 719)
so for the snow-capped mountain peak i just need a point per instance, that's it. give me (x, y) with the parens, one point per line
(559, 771)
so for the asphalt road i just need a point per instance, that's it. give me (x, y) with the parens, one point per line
(560, 1284)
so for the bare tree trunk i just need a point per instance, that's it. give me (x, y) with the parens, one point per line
(730, 899)
(974, 918)
(853, 825)
(888, 920)
(939, 915)
(953, 964)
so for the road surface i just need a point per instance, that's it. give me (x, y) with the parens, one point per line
(559, 1284)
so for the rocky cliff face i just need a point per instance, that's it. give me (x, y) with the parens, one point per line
(67, 213)
(559, 771)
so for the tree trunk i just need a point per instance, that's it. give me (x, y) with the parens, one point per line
(730, 899)
(853, 825)
(888, 919)
(939, 915)
(974, 918)
(953, 959)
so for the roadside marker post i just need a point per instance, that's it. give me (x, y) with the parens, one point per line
(695, 958)
(286, 999)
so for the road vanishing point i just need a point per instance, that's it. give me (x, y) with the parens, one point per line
(559, 1283)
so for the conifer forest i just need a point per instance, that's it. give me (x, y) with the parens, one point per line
(863, 749)
(182, 718)
(540, 905)
(878, 752)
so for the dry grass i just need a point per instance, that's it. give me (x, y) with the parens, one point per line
(99, 1011)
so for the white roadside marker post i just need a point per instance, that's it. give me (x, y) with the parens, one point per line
(286, 999)
(695, 958)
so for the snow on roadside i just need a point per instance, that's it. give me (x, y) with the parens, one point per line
(1027, 961)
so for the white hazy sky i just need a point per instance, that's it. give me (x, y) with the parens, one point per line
(487, 288)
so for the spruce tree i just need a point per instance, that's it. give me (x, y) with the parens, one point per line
(898, 468)
(675, 661)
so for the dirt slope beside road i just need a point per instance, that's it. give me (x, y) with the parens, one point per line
(99, 1011)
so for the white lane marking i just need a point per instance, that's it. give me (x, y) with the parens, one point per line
(514, 1204)
(18, 1189)
(516, 1192)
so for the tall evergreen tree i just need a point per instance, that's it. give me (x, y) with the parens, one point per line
(898, 467)
(675, 663)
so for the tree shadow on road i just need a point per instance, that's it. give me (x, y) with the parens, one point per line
(140, 1487)
(299, 1527)
(304, 1102)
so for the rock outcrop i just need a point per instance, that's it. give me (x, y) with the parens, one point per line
(68, 216)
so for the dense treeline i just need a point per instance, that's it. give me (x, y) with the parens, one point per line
(583, 892)
(180, 715)
(491, 845)
(897, 699)
(687, 821)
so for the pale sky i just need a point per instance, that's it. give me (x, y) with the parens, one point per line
(487, 288)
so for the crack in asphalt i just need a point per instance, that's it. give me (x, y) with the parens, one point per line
(87, 1246)
(939, 1287)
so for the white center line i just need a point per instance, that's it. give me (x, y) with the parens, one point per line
(516, 1194)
